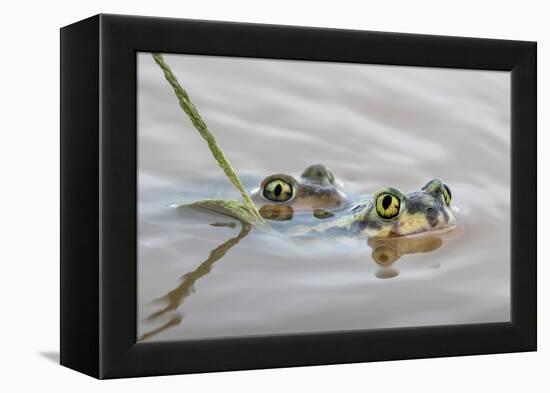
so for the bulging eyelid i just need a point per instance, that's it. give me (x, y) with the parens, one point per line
(278, 190)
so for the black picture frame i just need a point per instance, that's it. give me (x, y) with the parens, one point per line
(98, 195)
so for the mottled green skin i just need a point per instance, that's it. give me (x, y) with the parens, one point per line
(424, 211)
(314, 189)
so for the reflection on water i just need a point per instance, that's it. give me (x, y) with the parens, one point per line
(174, 298)
(384, 253)
(277, 212)
(373, 126)
(286, 213)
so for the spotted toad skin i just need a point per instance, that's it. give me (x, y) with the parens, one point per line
(425, 211)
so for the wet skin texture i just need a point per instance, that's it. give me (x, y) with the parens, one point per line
(389, 213)
(314, 189)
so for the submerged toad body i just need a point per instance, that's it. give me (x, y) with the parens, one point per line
(389, 213)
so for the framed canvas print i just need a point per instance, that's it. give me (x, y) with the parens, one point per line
(239, 196)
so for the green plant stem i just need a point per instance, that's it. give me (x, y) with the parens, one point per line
(202, 128)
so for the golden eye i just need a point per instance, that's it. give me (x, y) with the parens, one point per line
(387, 205)
(278, 190)
(447, 194)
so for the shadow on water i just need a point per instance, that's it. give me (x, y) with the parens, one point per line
(385, 252)
(175, 297)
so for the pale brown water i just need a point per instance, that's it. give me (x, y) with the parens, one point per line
(373, 126)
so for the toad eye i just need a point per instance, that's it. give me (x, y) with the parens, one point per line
(447, 194)
(387, 205)
(278, 190)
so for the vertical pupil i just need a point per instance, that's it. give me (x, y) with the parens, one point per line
(278, 190)
(386, 202)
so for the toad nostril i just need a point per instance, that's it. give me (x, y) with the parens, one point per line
(432, 216)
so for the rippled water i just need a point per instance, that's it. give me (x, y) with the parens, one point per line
(373, 126)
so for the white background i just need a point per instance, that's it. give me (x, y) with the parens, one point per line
(29, 154)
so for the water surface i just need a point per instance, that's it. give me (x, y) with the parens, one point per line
(373, 126)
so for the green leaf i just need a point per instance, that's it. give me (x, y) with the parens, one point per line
(230, 208)
(248, 209)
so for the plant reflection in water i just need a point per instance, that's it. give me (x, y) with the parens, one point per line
(175, 297)
(385, 252)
